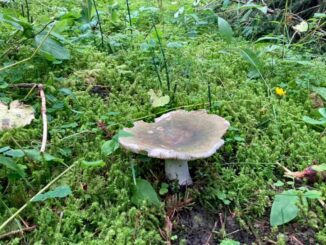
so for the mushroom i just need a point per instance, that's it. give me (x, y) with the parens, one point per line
(177, 137)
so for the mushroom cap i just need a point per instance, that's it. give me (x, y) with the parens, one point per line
(178, 135)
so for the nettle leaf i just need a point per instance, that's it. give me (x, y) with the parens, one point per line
(157, 100)
(142, 191)
(225, 29)
(284, 208)
(93, 164)
(52, 49)
(58, 192)
(252, 58)
(9, 163)
(314, 121)
(319, 168)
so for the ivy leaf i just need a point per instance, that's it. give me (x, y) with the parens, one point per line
(157, 100)
(225, 29)
(284, 208)
(93, 164)
(59, 192)
(143, 190)
(9, 163)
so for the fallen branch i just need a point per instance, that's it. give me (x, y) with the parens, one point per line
(17, 232)
(44, 118)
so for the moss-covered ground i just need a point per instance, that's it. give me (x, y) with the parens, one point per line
(111, 86)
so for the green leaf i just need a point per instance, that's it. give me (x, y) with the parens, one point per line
(314, 121)
(52, 49)
(59, 192)
(158, 100)
(229, 242)
(14, 153)
(313, 194)
(3, 149)
(284, 208)
(278, 183)
(143, 190)
(322, 111)
(164, 189)
(252, 58)
(9, 163)
(225, 29)
(93, 164)
(38, 157)
(301, 27)
(319, 168)
(109, 147)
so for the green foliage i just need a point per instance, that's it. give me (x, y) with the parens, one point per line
(321, 121)
(225, 29)
(229, 242)
(143, 191)
(58, 192)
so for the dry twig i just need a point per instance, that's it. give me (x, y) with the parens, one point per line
(44, 118)
(17, 232)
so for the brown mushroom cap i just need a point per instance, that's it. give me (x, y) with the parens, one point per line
(178, 135)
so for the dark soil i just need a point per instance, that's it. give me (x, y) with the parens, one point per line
(197, 226)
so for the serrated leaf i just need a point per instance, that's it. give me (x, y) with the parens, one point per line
(59, 192)
(284, 208)
(158, 101)
(143, 190)
(314, 121)
(18, 115)
(225, 29)
(52, 49)
(9, 163)
(93, 164)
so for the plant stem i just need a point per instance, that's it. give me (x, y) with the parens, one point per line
(27, 11)
(157, 70)
(164, 58)
(99, 24)
(209, 96)
(129, 16)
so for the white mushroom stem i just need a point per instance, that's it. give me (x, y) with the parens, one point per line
(178, 170)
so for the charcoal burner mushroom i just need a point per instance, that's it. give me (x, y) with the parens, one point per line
(177, 137)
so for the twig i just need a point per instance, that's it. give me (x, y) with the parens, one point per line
(210, 235)
(16, 232)
(3, 225)
(32, 56)
(296, 240)
(44, 118)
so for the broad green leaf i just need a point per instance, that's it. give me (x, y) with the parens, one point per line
(93, 164)
(319, 168)
(252, 58)
(158, 100)
(143, 190)
(312, 194)
(321, 91)
(38, 157)
(3, 149)
(320, 15)
(225, 29)
(9, 163)
(109, 147)
(122, 133)
(314, 121)
(58, 192)
(322, 111)
(14, 153)
(52, 48)
(284, 208)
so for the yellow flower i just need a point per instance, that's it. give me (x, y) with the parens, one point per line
(280, 91)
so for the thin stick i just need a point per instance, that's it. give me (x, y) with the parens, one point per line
(44, 118)
(40, 192)
(210, 235)
(99, 24)
(32, 56)
(13, 233)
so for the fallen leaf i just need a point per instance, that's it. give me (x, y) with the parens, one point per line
(301, 27)
(157, 100)
(19, 115)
